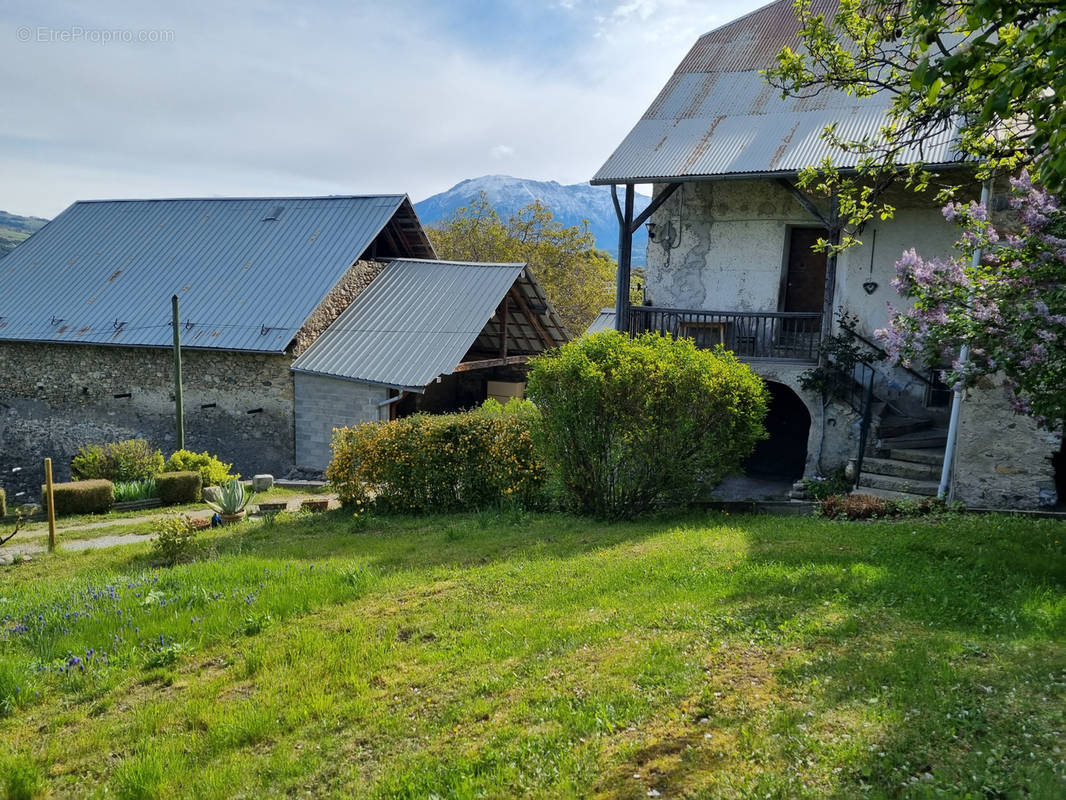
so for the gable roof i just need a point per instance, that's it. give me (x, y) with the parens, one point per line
(418, 319)
(717, 116)
(248, 271)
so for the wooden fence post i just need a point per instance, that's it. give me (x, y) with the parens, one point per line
(51, 501)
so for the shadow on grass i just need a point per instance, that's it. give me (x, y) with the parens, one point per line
(940, 640)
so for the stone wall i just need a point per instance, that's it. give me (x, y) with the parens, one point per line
(1002, 460)
(55, 398)
(324, 403)
(355, 280)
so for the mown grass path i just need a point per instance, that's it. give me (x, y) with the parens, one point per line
(498, 655)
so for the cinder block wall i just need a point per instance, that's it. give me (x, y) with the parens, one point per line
(324, 403)
(55, 398)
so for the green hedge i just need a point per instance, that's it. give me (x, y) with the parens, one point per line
(129, 460)
(81, 497)
(178, 487)
(445, 462)
(628, 423)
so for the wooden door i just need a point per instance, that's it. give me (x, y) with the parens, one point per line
(805, 271)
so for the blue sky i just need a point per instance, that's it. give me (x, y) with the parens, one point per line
(120, 99)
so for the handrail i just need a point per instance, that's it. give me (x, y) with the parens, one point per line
(777, 335)
(867, 418)
(884, 354)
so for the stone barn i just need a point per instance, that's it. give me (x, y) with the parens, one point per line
(86, 353)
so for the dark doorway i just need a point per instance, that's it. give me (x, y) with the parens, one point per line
(804, 271)
(784, 454)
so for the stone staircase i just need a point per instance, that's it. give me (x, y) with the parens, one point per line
(905, 459)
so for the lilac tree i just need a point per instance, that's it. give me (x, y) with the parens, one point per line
(1009, 308)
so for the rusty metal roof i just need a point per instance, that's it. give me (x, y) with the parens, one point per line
(419, 319)
(718, 117)
(248, 272)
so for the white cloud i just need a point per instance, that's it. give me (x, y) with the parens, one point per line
(362, 98)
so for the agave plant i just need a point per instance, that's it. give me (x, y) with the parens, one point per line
(233, 498)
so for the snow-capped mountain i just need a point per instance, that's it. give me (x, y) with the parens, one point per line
(569, 204)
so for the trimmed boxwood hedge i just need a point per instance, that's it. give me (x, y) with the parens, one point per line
(81, 497)
(178, 487)
(447, 462)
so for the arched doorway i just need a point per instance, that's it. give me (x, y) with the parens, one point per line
(784, 454)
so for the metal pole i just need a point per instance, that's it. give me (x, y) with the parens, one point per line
(178, 405)
(51, 503)
(625, 254)
(956, 398)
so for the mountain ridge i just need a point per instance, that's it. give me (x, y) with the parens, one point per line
(570, 204)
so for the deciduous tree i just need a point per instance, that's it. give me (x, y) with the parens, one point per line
(578, 279)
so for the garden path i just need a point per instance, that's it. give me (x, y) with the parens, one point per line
(68, 539)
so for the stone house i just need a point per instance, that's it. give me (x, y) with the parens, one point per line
(86, 340)
(729, 262)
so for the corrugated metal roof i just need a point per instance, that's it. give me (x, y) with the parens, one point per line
(104, 271)
(717, 116)
(417, 320)
(604, 322)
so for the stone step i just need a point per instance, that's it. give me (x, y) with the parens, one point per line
(932, 457)
(934, 437)
(902, 426)
(901, 469)
(884, 494)
(893, 484)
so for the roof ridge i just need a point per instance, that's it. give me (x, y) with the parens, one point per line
(398, 195)
(732, 22)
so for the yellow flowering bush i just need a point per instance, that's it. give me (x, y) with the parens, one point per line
(446, 462)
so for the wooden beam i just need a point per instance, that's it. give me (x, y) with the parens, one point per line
(653, 206)
(503, 326)
(487, 363)
(805, 201)
(548, 341)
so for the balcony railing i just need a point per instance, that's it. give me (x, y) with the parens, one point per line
(780, 335)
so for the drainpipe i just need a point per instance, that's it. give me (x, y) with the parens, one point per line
(956, 398)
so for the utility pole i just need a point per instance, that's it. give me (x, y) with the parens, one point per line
(178, 405)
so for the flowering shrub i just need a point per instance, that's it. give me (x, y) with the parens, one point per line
(441, 462)
(627, 423)
(213, 472)
(1010, 309)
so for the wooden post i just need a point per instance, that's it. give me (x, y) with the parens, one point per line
(51, 501)
(177, 375)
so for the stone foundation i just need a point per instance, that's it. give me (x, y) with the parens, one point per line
(1003, 460)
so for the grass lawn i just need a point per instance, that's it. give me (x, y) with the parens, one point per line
(498, 655)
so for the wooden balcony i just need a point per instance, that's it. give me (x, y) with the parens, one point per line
(778, 336)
